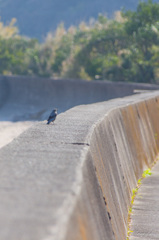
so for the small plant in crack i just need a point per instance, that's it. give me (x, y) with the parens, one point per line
(146, 173)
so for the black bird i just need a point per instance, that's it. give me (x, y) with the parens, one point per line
(52, 116)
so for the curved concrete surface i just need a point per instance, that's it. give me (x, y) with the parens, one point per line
(73, 180)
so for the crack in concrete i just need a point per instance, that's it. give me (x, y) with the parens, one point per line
(74, 143)
(86, 144)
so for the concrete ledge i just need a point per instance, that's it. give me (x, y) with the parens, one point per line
(73, 180)
(122, 144)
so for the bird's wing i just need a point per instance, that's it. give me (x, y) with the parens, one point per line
(49, 118)
(52, 116)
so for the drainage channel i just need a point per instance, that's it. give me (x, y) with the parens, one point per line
(145, 218)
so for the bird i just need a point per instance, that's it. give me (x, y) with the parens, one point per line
(52, 116)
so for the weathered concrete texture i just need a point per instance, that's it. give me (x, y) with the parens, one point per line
(23, 98)
(73, 180)
(145, 217)
(121, 146)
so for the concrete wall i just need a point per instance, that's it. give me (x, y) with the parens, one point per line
(73, 180)
(122, 144)
(30, 98)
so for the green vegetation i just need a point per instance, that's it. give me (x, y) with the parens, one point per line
(146, 173)
(125, 48)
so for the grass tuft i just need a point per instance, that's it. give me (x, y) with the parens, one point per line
(146, 173)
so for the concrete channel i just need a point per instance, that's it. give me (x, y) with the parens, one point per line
(72, 180)
(145, 217)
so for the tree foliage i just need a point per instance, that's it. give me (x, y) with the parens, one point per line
(125, 48)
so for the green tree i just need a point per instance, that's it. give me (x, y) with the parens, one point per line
(99, 55)
(12, 55)
(142, 29)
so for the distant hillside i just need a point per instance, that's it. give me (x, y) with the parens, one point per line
(35, 18)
